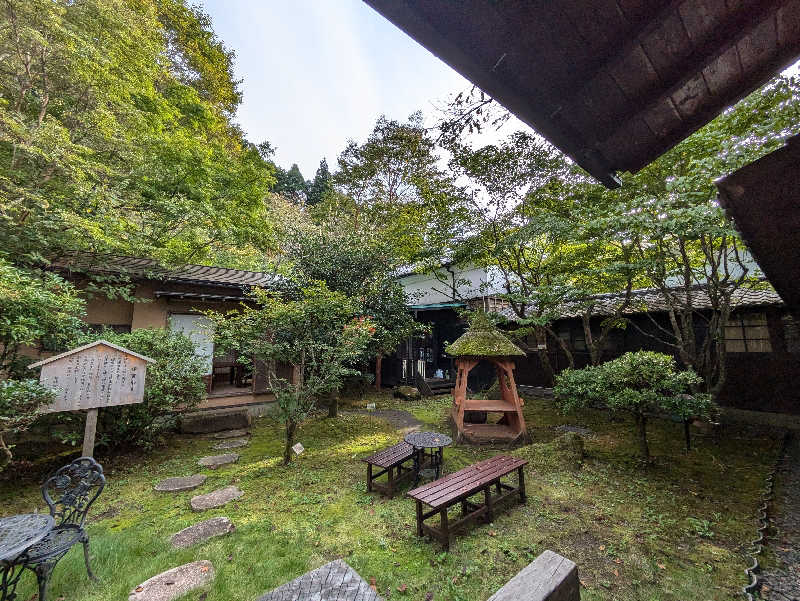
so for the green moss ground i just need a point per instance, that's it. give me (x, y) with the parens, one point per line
(623, 523)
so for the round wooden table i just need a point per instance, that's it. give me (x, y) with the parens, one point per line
(434, 441)
(17, 534)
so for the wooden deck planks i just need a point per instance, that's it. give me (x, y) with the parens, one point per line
(335, 581)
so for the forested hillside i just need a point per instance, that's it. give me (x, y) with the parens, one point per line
(117, 134)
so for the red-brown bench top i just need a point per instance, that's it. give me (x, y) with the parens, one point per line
(390, 456)
(470, 479)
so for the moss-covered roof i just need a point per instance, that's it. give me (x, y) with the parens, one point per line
(483, 339)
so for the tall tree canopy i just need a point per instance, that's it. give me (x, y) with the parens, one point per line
(116, 135)
(394, 183)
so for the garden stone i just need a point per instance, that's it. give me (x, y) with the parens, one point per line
(233, 443)
(174, 583)
(201, 532)
(407, 393)
(180, 484)
(212, 462)
(215, 420)
(216, 498)
(231, 434)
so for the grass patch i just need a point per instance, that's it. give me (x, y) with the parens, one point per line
(675, 530)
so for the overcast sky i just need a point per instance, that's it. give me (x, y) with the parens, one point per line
(317, 72)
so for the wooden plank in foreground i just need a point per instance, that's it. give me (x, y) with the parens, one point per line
(333, 581)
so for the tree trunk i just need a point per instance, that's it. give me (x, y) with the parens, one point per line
(291, 426)
(378, 367)
(544, 358)
(641, 424)
(5, 458)
(333, 403)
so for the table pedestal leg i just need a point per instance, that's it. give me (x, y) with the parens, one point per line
(416, 465)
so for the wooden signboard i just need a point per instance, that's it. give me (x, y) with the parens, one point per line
(89, 377)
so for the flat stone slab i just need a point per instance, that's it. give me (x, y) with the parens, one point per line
(215, 420)
(214, 461)
(215, 498)
(174, 583)
(333, 581)
(233, 443)
(181, 484)
(232, 434)
(201, 532)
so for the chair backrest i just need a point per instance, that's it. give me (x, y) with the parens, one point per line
(72, 489)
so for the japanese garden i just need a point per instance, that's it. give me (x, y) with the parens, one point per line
(512, 344)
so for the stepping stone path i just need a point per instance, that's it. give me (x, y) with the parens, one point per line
(212, 462)
(180, 484)
(174, 583)
(201, 532)
(233, 443)
(232, 434)
(216, 498)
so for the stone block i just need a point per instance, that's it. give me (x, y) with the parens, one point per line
(201, 532)
(215, 420)
(212, 462)
(174, 583)
(216, 498)
(180, 484)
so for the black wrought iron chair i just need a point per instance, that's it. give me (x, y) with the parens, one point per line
(69, 493)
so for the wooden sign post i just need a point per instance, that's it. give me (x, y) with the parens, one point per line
(89, 377)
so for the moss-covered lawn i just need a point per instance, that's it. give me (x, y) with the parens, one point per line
(674, 530)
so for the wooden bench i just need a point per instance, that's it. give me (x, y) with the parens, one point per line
(456, 488)
(388, 460)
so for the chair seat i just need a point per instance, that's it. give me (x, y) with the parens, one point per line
(56, 542)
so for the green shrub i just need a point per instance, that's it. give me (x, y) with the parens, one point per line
(19, 404)
(174, 383)
(643, 383)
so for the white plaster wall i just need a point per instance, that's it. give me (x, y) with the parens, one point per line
(471, 282)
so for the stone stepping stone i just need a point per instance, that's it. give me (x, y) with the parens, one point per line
(215, 498)
(214, 461)
(232, 434)
(202, 531)
(174, 583)
(180, 484)
(233, 443)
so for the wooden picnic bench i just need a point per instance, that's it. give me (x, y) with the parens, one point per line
(457, 487)
(388, 460)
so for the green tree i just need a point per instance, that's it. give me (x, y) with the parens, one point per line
(392, 184)
(321, 186)
(319, 333)
(359, 264)
(688, 248)
(644, 384)
(36, 309)
(20, 401)
(291, 184)
(116, 135)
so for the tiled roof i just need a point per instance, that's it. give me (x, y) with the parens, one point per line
(143, 268)
(651, 300)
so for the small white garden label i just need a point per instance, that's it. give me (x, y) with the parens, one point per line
(298, 448)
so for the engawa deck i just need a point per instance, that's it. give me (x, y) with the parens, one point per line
(456, 488)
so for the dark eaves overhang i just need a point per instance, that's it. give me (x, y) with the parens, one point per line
(613, 84)
(763, 199)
